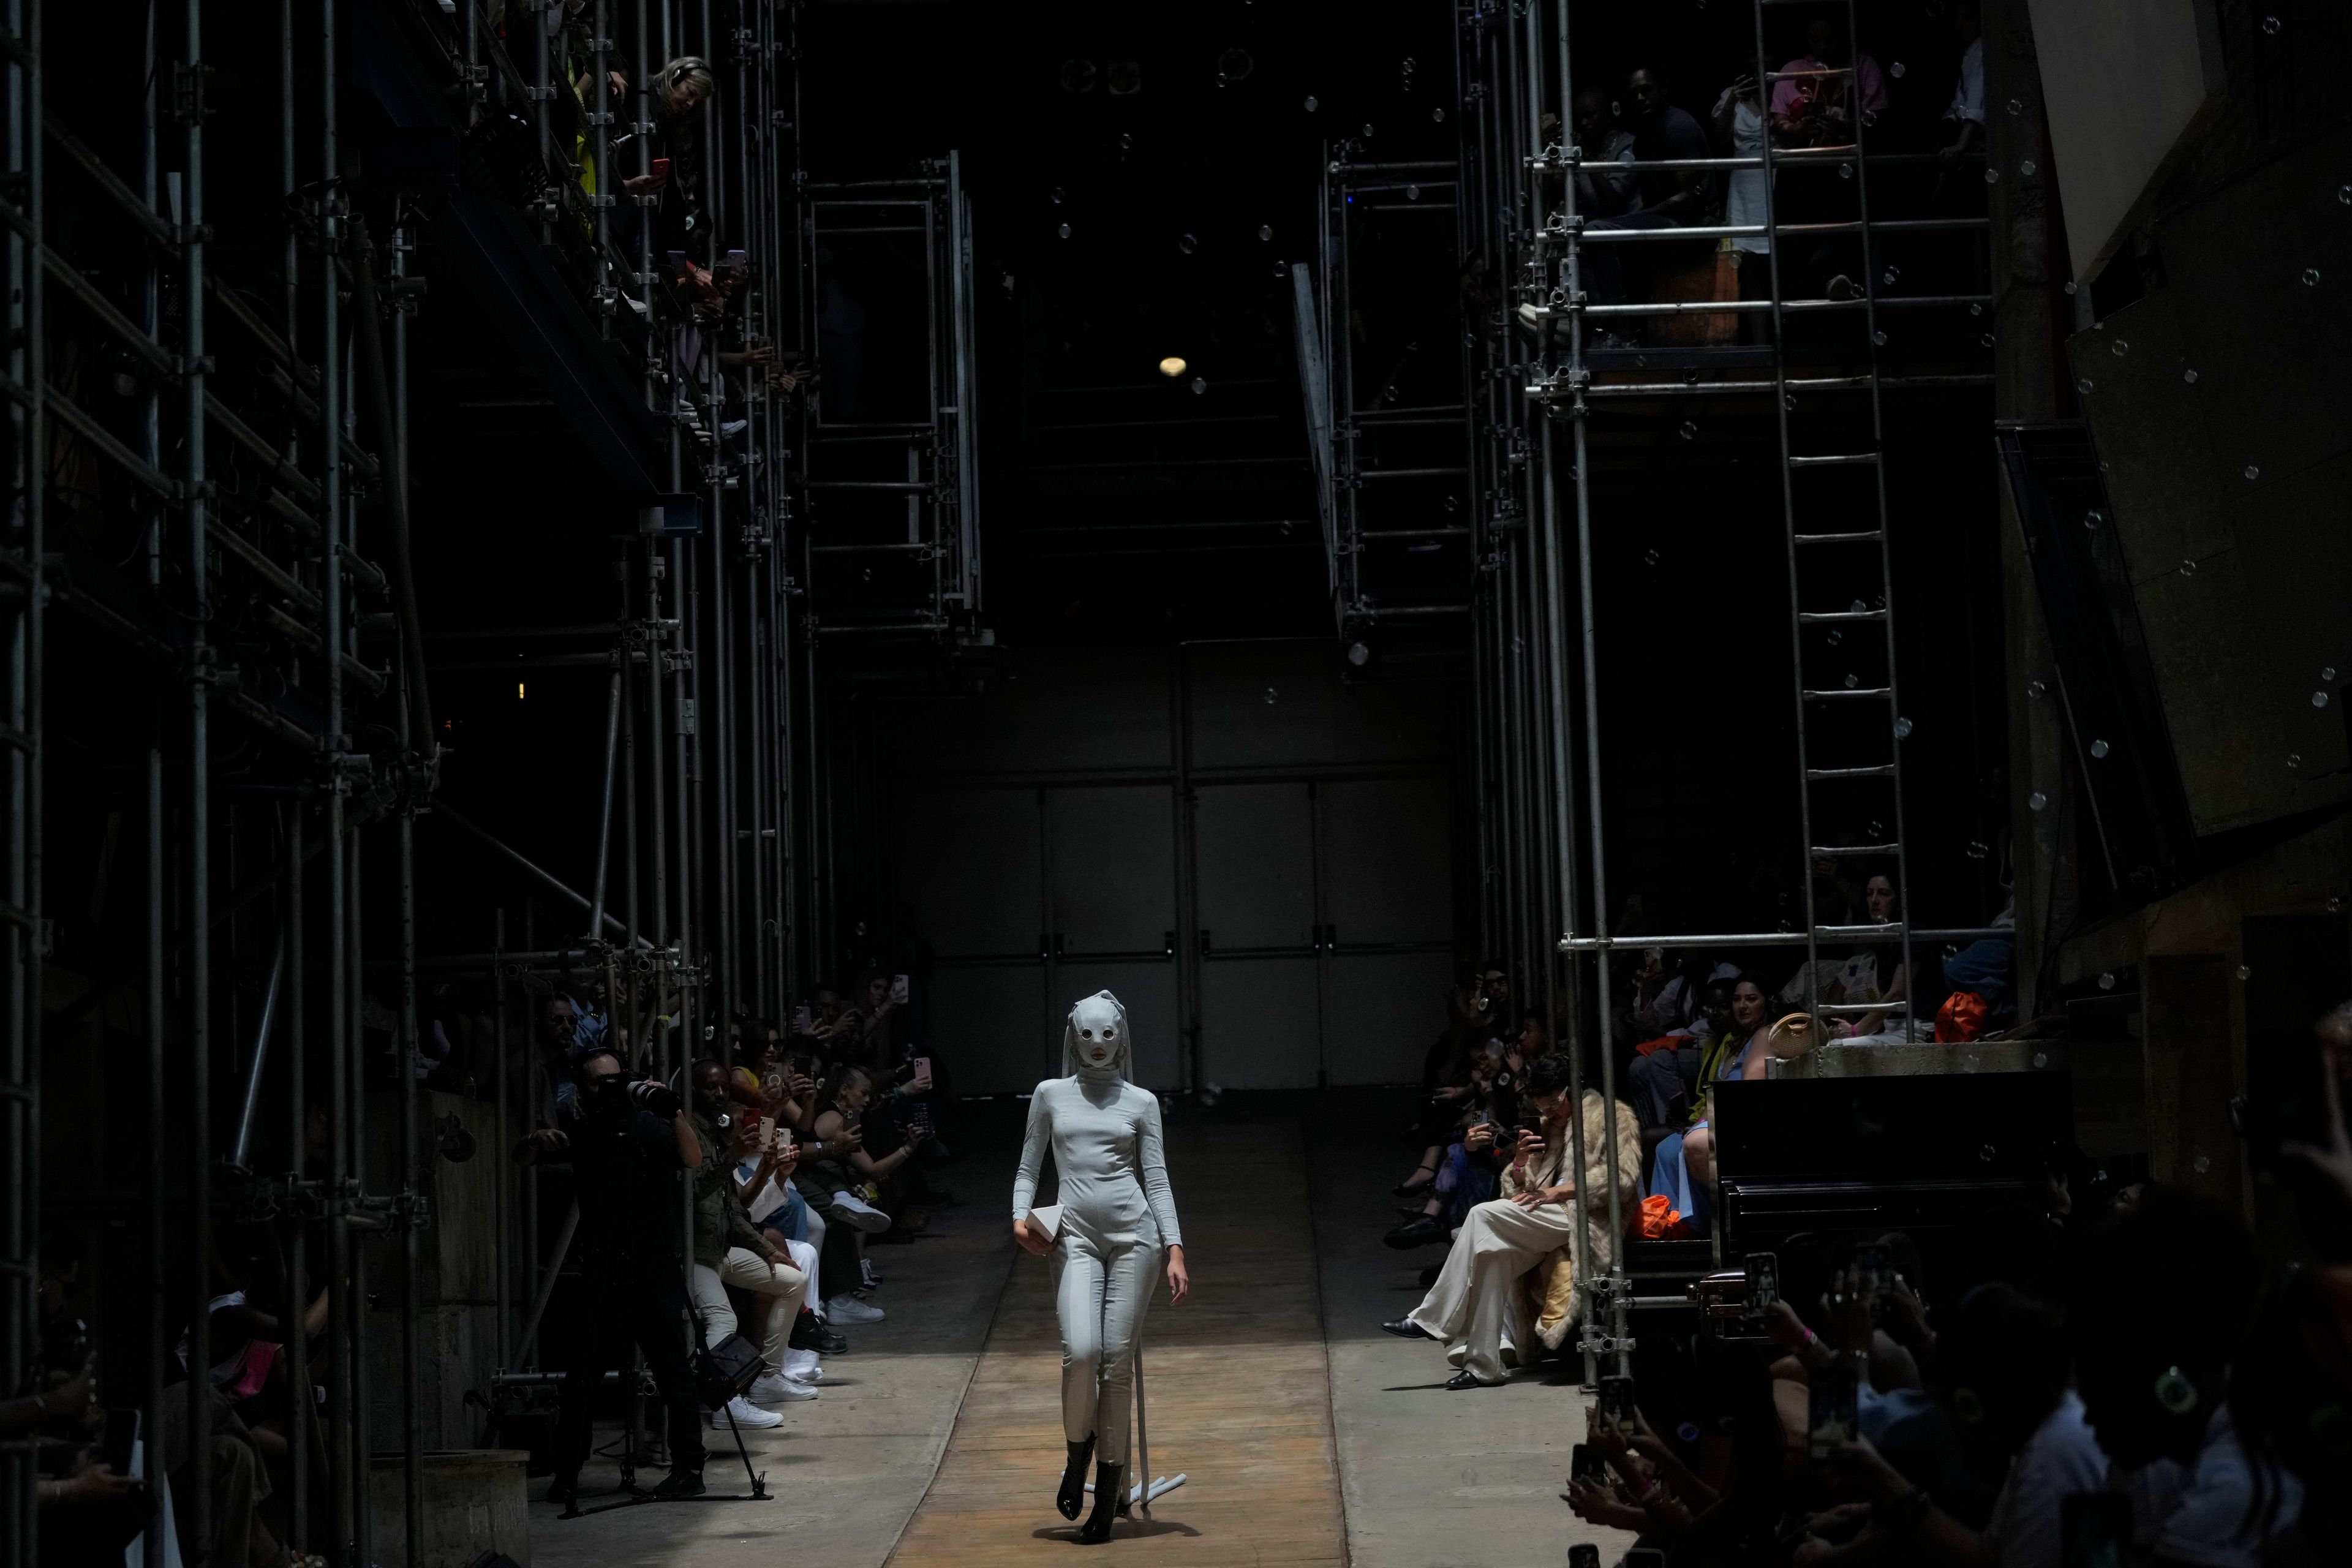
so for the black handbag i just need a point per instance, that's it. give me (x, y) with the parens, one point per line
(723, 1371)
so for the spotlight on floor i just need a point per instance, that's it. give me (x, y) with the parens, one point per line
(1172, 366)
(1360, 654)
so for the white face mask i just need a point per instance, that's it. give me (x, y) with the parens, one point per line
(1094, 1043)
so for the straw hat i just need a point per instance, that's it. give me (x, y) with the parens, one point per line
(1792, 1037)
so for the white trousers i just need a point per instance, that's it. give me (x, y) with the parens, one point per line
(1477, 1299)
(1100, 1290)
(783, 1290)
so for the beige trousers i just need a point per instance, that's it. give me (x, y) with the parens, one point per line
(784, 1291)
(1477, 1299)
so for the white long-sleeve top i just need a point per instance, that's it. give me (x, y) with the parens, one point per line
(1108, 1155)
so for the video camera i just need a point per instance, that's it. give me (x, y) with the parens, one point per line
(1735, 1303)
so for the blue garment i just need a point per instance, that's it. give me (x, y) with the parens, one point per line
(789, 1218)
(1986, 967)
(1670, 1177)
(1464, 1183)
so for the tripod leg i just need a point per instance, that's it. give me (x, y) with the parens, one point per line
(1142, 1430)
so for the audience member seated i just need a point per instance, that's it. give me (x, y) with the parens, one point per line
(1467, 1172)
(1665, 1076)
(1739, 124)
(1477, 1308)
(1820, 95)
(1601, 192)
(845, 1182)
(2159, 1296)
(729, 1251)
(1967, 114)
(1876, 973)
(1445, 1075)
(1682, 1169)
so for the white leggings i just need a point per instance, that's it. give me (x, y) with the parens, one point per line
(1101, 1292)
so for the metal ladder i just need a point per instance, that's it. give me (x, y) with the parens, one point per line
(1817, 552)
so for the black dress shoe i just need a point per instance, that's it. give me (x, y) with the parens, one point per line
(1416, 1233)
(1111, 1489)
(680, 1482)
(1406, 1329)
(1464, 1380)
(1073, 1494)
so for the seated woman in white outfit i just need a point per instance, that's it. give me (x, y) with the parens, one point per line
(1117, 1212)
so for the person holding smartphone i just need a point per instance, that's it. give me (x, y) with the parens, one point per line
(1477, 1303)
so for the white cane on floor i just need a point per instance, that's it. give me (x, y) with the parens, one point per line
(1142, 1492)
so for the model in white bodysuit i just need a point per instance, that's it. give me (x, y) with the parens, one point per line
(1116, 1214)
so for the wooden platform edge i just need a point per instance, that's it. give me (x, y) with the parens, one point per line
(955, 1418)
(1323, 1344)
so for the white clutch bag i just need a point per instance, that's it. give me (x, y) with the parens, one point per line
(1046, 1221)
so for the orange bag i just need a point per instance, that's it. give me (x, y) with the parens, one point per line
(1656, 1220)
(1960, 1018)
(1663, 1043)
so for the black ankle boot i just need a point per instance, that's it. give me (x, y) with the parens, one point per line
(1073, 1494)
(1110, 1490)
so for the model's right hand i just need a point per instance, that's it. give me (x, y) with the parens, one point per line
(1032, 1241)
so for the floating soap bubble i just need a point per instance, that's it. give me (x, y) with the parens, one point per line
(2099, 749)
(1188, 245)
(1265, 231)
(1200, 385)
(2119, 348)
(1065, 231)
(1903, 729)
(2253, 472)
(2190, 376)
(2036, 801)
(1311, 105)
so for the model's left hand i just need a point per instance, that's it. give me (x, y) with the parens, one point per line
(1179, 1283)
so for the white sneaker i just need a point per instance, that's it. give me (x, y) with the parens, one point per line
(747, 1414)
(772, 1388)
(855, 1210)
(801, 1366)
(850, 1310)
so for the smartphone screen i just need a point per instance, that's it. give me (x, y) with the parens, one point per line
(1763, 1280)
(1584, 1554)
(2094, 1531)
(899, 989)
(1617, 1399)
(1583, 1464)
(1833, 1415)
(1873, 1269)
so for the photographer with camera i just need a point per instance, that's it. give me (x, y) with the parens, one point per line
(626, 1143)
(1476, 1302)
